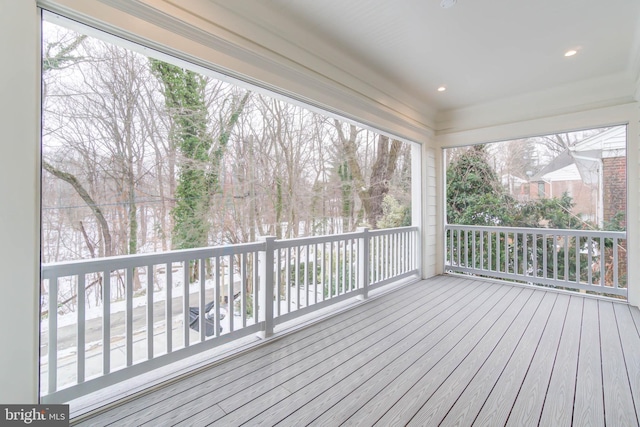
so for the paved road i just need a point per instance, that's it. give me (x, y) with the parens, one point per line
(93, 327)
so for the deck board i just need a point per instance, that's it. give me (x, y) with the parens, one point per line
(448, 351)
(589, 401)
(558, 407)
(470, 402)
(619, 409)
(432, 345)
(326, 374)
(480, 335)
(631, 350)
(259, 360)
(492, 351)
(527, 407)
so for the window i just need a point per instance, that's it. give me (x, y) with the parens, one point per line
(141, 155)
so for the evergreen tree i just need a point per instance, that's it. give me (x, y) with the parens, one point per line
(475, 195)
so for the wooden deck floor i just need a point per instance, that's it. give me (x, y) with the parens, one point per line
(446, 351)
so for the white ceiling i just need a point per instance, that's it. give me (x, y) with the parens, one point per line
(482, 50)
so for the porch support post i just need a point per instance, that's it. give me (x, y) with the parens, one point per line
(363, 263)
(633, 206)
(432, 230)
(265, 291)
(20, 199)
(419, 197)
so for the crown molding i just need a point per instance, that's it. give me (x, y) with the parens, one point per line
(578, 96)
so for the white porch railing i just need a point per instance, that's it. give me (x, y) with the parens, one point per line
(572, 259)
(136, 329)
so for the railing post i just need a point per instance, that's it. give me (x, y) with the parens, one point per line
(265, 290)
(363, 262)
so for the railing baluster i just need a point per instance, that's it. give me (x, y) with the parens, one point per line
(186, 276)
(566, 257)
(473, 250)
(216, 291)
(589, 260)
(525, 254)
(150, 280)
(53, 335)
(323, 261)
(406, 238)
(534, 242)
(395, 253)
(498, 236)
(306, 276)
(129, 316)
(331, 270)
(345, 260)
(544, 255)
(515, 253)
(314, 273)
(602, 254)
(231, 292)
(490, 254)
(578, 257)
(458, 248)
(202, 295)
(615, 263)
(288, 280)
(506, 252)
(466, 248)
(554, 242)
(80, 345)
(279, 279)
(482, 257)
(297, 277)
(376, 258)
(168, 308)
(243, 288)
(106, 322)
(256, 283)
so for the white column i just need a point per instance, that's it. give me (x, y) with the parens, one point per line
(363, 263)
(431, 230)
(418, 197)
(19, 200)
(265, 291)
(633, 208)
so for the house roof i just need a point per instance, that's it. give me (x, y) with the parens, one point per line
(585, 156)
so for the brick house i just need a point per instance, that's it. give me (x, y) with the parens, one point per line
(593, 173)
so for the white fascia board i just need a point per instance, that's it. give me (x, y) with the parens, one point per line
(579, 96)
(588, 119)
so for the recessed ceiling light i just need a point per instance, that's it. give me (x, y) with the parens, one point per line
(446, 4)
(570, 52)
(442, 89)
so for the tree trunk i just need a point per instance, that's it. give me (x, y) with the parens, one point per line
(97, 212)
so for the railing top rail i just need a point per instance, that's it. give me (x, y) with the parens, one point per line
(302, 241)
(528, 230)
(84, 266)
(382, 231)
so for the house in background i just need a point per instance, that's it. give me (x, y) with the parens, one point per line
(592, 173)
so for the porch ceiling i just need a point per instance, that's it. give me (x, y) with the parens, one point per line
(482, 51)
